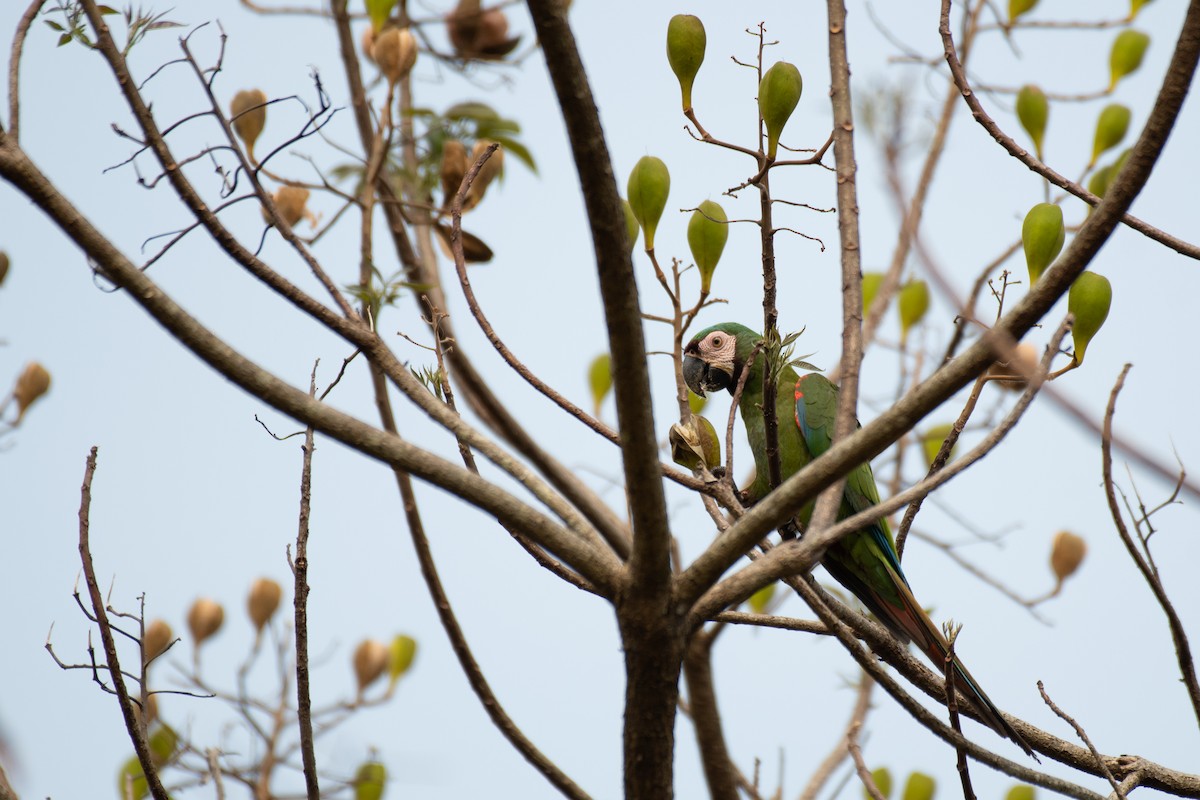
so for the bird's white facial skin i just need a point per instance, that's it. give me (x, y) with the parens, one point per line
(718, 350)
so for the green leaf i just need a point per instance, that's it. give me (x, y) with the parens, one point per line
(64, 39)
(473, 110)
(519, 150)
(600, 379)
(54, 25)
(919, 787)
(761, 600)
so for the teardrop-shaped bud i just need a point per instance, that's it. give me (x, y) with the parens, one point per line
(919, 787)
(157, 639)
(1021, 791)
(204, 619)
(882, 778)
(369, 781)
(871, 281)
(1042, 235)
(151, 710)
(1066, 554)
(3, 266)
(378, 11)
(248, 115)
(695, 402)
(1089, 300)
(707, 232)
(263, 601)
(32, 383)
(600, 379)
(491, 169)
(1134, 7)
(1018, 7)
(1033, 111)
(1111, 127)
(694, 444)
(395, 53)
(631, 224)
(1126, 55)
(649, 185)
(163, 743)
(1011, 374)
(686, 41)
(778, 93)
(131, 782)
(370, 662)
(400, 657)
(932, 441)
(914, 302)
(760, 601)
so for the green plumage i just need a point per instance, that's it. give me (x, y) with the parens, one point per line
(865, 562)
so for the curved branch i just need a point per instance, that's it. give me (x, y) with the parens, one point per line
(14, 68)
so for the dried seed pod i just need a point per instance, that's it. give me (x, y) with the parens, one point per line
(454, 167)
(395, 52)
(3, 266)
(1089, 300)
(204, 619)
(707, 232)
(157, 639)
(778, 93)
(1011, 374)
(370, 662)
(648, 188)
(1066, 554)
(151, 709)
(367, 43)
(686, 41)
(695, 444)
(248, 113)
(292, 202)
(491, 169)
(475, 250)
(32, 383)
(1033, 111)
(476, 32)
(263, 601)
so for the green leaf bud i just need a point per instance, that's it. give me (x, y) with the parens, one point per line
(131, 782)
(760, 600)
(932, 442)
(1089, 300)
(379, 11)
(695, 402)
(685, 51)
(1111, 127)
(778, 94)
(707, 232)
(871, 281)
(919, 787)
(1033, 111)
(1020, 791)
(600, 379)
(1042, 235)
(914, 302)
(1018, 7)
(649, 185)
(1134, 7)
(883, 782)
(1126, 55)
(369, 781)
(400, 657)
(631, 224)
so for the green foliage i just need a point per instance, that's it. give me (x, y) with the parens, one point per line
(464, 122)
(138, 23)
(382, 291)
(431, 379)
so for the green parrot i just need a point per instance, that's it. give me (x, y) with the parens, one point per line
(865, 562)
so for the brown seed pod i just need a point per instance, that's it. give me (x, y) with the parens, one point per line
(476, 32)
(1011, 374)
(1066, 555)
(204, 619)
(475, 250)
(157, 639)
(32, 383)
(368, 43)
(370, 662)
(263, 602)
(292, 202)
(3, 266)
(454, 166)
(491, 169)
(395, 53)
(248, 113)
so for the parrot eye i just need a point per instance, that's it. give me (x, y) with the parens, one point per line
(717, 341)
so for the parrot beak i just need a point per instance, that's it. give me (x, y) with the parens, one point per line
(701, 377)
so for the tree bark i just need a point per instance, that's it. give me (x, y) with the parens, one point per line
(654, 646)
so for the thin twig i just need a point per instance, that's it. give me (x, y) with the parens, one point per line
(300, 572)
(1082, 734)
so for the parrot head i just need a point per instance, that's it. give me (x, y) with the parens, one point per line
(714, 358)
